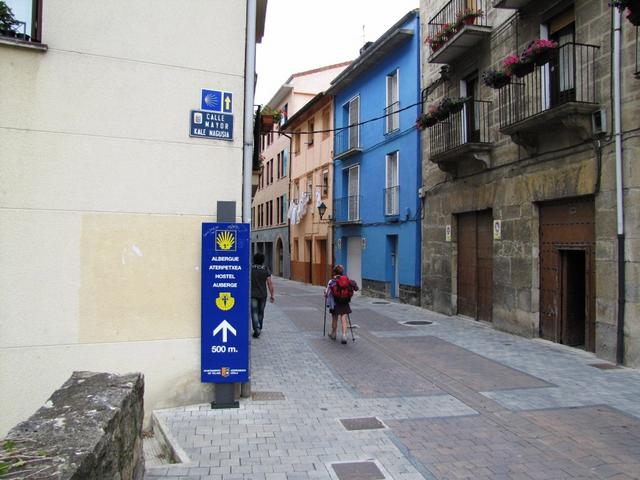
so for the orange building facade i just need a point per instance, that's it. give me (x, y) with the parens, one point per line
(310, 190)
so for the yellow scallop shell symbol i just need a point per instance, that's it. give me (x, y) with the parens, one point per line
(225, 301)
(225, 240)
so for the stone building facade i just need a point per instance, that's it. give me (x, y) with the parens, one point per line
(520, 185)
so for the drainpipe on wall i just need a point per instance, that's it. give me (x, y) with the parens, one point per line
(249, 91)
(617, 115)
(247, 164)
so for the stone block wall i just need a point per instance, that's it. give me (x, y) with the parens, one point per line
(515, 180)
(89, 428)
(377, 289)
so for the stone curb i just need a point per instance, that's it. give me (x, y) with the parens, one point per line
(162, 433)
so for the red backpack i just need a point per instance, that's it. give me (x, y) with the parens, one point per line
(342, 290)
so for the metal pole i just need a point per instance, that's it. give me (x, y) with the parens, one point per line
(249, 93)
(617, 115)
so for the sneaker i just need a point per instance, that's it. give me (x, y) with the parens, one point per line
(344, 340)
(332, 336)
(256, 334)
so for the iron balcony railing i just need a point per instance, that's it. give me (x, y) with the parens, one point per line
(347, 139)
(570, 77)
(451, 19)
(470, 125)
(392, 200)
(392, 118)
(347, 209)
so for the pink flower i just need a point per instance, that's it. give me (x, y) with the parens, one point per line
(538, 46)
(510, 60)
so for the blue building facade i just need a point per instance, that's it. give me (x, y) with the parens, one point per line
(377, 165)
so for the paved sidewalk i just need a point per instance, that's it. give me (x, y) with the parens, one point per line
(453, 399)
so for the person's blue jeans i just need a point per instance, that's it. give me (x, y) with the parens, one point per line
(257, 313)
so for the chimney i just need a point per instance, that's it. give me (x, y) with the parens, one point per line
(365, 47)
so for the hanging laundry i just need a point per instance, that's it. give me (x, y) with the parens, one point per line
(292, 208)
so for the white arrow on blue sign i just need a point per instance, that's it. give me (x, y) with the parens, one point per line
(225, 327)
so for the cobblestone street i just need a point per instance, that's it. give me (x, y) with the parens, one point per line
(447, 400)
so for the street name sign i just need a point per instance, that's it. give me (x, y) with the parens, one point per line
(215, 126)
(225, 303)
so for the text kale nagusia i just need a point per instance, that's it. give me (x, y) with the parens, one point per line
(225, 272)
(212, 125)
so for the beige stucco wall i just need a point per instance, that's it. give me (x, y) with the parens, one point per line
(103, 194)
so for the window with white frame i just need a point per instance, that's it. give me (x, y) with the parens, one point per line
(392, 190)
(392, 113)
(354, 120)
(353, 189)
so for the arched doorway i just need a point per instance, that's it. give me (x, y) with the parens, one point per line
(279, 258)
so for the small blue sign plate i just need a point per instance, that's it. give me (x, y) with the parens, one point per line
(227, 102)
(215, 126)
(216, 101)
(225, 302)
(211, 100)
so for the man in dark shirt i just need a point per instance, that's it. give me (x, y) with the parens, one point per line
(260, 280)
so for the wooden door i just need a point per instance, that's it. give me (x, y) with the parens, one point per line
(485, 265)
(308, 261)
(321, 268)
(467, 265)
(567, 251)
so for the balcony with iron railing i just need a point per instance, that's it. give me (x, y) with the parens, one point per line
(347, 209)
(510, 3)
(347, 142)
(456, 29)
(463, 138)
(392, 201)
(560, 93)
(392, 118)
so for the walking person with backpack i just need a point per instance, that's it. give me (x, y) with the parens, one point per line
(338, 296)
(260, 282)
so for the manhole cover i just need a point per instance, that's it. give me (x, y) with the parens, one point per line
(357, 471)
(381, 303)
(267, 396)
(604, 366)
(365, 423)
(417, 322)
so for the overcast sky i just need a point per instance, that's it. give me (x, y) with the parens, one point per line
(302, 35)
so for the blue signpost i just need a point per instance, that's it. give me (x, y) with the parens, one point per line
(225, 303)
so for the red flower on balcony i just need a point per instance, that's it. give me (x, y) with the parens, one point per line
(540, 51)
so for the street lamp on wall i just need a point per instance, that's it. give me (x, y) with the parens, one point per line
(321, 209)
